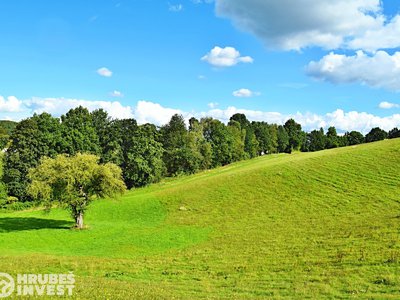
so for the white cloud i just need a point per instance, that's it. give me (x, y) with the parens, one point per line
(11, 104)
(150, 112)
(245, 93)
(175, 7)
(330, 24)
(385, 37)
(201, 77)
(360, 121)
(212, 104)
(379, 70)
(116, 94)
(253, 115)
(225, 57)
(104, 72)
(388, 105)
(59, 106)
(343, 121)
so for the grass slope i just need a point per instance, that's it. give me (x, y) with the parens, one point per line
(306, 225)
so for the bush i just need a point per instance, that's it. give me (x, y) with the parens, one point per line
(11, 200)
(13, 204)
(18, 206)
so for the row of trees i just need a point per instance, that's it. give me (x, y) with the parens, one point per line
(146, 153)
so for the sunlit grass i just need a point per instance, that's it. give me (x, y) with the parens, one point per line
(307, 225)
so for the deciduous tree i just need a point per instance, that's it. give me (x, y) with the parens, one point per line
(74, 182)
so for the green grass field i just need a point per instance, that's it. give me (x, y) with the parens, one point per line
(302, 226)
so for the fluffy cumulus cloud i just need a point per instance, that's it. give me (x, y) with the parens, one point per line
(253, 115)
(380, 70)
(105, 72)
(360, 121)
(155, 113)
(151, 112)
(225, 57)
(358, 25)
(11, 104)
(343, 121)
(59, 106)
(388, 105)
(330, 24)
(245, 93)
(384, 37)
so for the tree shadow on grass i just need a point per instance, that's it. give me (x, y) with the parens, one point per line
(21, 224)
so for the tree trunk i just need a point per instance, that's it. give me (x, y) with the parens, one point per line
(79, 220)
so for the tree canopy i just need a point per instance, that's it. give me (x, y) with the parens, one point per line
(74, 182)
(376, 134)
(147, 153)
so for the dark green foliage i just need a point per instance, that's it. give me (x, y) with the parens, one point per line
(102, 125)
(273, 131)
(283, 139)
(49, 135)
(79, 134)
(8, 126)
(217, 134)
(251, 146)
(332, 139)
(241, 119)
(4, 138)
(296, 135)
(32, 139)
(238, 137)
(178, 156)
(262, 131)
(354, 138)
(394, 133)
(143, 159)
(145, 153)
(185, 151)
(117, 150)
(199, 146)
(315, 141)
(376, 134)
(3, 187)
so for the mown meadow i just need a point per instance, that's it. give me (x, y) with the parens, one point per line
(301, 226)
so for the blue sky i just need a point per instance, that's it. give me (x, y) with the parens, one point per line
(323, 63)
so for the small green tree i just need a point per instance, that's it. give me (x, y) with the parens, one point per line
(74, 182)
(332, 139)
(283, 139)
(376, 134)
(354, 138)
(394, 133)
(296, 135)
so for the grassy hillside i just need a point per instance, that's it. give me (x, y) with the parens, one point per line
(306, 225)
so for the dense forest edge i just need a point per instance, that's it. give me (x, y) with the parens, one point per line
(147, 153)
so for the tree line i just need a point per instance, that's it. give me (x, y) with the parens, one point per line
(147, 153)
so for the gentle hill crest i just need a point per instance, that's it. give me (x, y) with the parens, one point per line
(301, 225)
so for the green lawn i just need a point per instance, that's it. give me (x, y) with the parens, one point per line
(307, 225)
